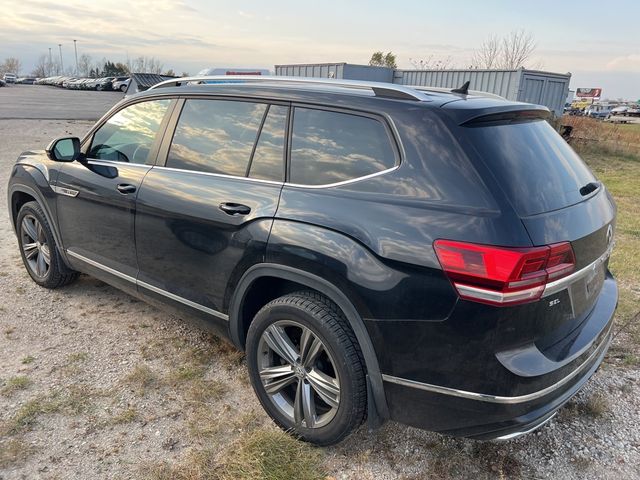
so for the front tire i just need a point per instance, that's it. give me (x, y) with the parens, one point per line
(38, 248)
(306, 367)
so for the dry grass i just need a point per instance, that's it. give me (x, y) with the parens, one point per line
(127, 415)
(14, 384)
(27, 360)
(13, 451)
(73, 400)
(593, 135)
(141, 379)
(261, 454)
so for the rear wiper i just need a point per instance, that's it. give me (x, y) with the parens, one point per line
(588, 188)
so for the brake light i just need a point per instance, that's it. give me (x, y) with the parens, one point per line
(501, 275)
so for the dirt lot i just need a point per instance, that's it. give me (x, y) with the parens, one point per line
(95, 384)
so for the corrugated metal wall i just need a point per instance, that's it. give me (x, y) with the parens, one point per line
(500, 82)
(318, 70)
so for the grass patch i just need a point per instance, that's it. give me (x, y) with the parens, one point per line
(262, 454)
(12, 385)
(77, 357)
(27, 360)
(13, 451)
(125, 416)
(595, 406)
(74, 401)
(141, 379)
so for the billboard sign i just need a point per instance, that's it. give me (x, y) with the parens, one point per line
(589, 92)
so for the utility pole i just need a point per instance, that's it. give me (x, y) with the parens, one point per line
(50, 63)
(76, 50)
(61, 65)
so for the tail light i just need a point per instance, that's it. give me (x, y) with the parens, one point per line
(501, 275)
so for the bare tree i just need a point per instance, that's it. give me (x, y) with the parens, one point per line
(85, 65)
(517, 48)
(510, 52)
(11, 65)
(488, 54)
(432, 63)
(145, 65)
(41, 68)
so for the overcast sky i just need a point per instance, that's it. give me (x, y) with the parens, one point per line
(597, 41)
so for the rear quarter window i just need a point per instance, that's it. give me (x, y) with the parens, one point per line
(330, 147)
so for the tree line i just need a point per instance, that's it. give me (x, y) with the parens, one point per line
(47, 66)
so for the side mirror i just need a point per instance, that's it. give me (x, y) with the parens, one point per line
(64, 149)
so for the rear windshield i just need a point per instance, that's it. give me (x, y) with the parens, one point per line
(536, 168)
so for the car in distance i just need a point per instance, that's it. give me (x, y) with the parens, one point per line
(431, 257)
(9, 77)
(120, 83)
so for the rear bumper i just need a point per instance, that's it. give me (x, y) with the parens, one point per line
(475, 415)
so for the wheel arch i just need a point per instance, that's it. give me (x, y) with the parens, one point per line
(377, 405)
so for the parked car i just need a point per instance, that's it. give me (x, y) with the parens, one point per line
(3, 83)
(104, 83)
(9, 77)
(598, 110)
(26, 80)
(121, 83)
(438, 259)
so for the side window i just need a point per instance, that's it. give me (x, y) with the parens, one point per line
(329, 147)
(216, 136)
(129, 134)
(268, 159)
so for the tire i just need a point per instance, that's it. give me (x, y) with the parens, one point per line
(317, 373)
(38, 248)
(123, 88)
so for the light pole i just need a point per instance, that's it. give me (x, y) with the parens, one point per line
(50, 63)
(76, 50)
(61, 65)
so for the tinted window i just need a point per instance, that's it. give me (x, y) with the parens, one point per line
(268, 158)
(129, 134)
(216, 136)
(536, 168)
(329, 147)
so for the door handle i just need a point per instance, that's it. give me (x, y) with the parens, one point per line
(126, 188)
(234, 208)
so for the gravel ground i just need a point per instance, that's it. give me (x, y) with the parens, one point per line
(111, 386)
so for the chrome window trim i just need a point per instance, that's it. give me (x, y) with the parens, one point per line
(221, 175)
(483, 397)
(115, 163)
(148, 286)
(344, 182)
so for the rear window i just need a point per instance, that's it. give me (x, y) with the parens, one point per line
(536, 168)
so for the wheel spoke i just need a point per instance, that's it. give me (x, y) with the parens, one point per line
(41, 266)
(30, 250)
(28, 227)
(275, 379)
(280, 342)
(40, 231)
(325, 386)
(304, 406)
(310, 348)
(46, 253)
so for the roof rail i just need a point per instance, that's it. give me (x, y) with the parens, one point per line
(385, 90)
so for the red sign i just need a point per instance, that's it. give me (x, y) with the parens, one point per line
(589, 92)
(229, 72)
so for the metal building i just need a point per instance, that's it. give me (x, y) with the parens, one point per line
(531, 86)
(345, 71)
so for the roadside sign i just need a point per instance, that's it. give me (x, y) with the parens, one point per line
(589, 92)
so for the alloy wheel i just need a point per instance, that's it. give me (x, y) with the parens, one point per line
(35, 247)
(298, 374)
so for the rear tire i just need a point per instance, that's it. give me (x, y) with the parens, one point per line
(123, 88)
(39, 250)
(306, 367)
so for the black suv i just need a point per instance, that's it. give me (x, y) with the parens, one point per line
(435, 258)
